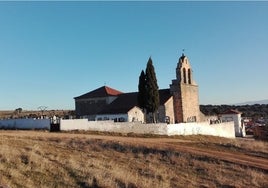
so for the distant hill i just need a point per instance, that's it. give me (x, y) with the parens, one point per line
(253, 102)
(253, 110)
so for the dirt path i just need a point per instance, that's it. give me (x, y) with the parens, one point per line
(232, 157)
(179, 145)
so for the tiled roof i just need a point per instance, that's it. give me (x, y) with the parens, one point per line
(127, 101)
(122, 104)
(164, 95)
(103, 91)
(231, 111)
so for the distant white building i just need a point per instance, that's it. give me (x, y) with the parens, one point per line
(235, 116)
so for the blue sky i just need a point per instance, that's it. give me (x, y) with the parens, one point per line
(51, 52)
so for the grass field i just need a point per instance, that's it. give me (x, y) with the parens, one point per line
(43, 159)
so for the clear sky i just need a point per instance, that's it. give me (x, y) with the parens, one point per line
(51, 52)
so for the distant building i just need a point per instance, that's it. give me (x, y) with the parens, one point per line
(179, 103)
(235, 116)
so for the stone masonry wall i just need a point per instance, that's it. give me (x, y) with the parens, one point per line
(190, 103)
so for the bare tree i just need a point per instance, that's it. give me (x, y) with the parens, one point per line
(42, 109)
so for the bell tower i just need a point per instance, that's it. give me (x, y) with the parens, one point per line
(185, 93)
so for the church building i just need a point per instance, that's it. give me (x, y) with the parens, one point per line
(179, 103)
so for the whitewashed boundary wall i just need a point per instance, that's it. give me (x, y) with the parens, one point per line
(74, 124)
(25, 124)
(204, 128)
(111, 126)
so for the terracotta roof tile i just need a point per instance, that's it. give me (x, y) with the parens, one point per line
(232, 111)
(122, 104)
(103, 91)
(111, 91)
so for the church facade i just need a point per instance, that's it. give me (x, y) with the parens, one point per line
(179, 103)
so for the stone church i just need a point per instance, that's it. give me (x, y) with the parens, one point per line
(179, 103)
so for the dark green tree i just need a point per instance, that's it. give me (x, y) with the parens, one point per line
(142, 90)
(152, 93)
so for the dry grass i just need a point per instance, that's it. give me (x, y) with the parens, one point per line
(39, 159)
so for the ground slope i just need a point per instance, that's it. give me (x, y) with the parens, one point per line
(43, 159)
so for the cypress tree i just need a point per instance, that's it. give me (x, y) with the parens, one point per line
(152, 93)
(142, 90)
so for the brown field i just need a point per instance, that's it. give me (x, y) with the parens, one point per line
(43, 159)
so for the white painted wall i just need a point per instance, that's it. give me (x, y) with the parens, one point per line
(222, 129)
(74, 124)
(111, 117)
(203, 128)
(239, 128)
(25, 124)
(134, 114)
